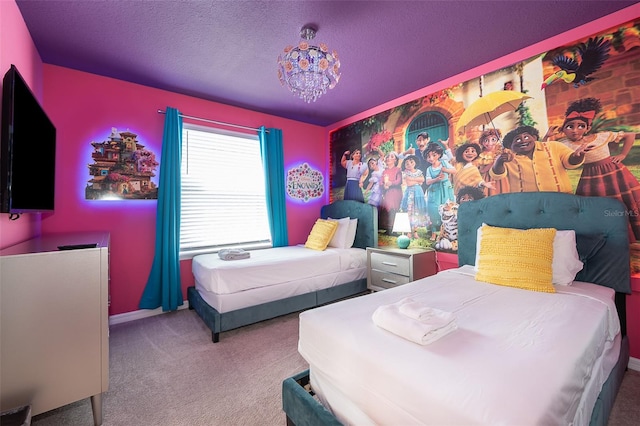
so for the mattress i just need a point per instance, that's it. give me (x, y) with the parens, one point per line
(517, 357)
(272, 266)
(243, 299)
(227, 286)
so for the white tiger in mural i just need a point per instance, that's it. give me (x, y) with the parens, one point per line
(448, 237)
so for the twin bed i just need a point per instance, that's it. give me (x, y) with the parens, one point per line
(278, 281)
(516, 357)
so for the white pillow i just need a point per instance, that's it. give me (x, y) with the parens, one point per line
(478, 239)
(351, 233)
(566, 261)
(339, 238)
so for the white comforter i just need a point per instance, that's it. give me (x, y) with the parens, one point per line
(518, 357)
(272, 266)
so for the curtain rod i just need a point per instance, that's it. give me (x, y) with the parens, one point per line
(206, 120)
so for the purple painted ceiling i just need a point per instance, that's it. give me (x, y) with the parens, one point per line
(226, 51)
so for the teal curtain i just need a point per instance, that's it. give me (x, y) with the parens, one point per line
(273, 162)
(163, 285)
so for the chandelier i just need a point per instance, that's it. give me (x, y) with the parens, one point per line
(307, 70)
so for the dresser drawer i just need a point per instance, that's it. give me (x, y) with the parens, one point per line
(386, 279)
(391, 263)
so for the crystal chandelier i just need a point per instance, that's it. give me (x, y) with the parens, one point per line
(307, 70)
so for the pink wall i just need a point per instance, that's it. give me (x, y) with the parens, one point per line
(16, 47)
(84, 107)
(633, 319)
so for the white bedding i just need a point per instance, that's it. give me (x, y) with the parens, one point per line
(518, 357)
(272, 266)
(256, 296)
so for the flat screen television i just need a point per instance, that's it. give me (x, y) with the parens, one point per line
(28, 151)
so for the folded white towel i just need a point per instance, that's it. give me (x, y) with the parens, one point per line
(233, 254)
(391, 319)
(420, 311)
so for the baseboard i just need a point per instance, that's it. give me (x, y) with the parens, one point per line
(139, 314)
(634, 364)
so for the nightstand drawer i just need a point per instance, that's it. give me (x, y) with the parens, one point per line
(386, 279)
(389, 267)
(391, 263)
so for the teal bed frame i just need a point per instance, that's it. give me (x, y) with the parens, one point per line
(366, 236)
(603, 245)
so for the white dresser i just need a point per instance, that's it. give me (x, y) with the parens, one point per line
(390, 267)
(54, 322)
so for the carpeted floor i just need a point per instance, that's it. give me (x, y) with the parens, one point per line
(164, 370)
(626, 410)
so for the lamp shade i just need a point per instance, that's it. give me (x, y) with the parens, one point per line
(401, 224)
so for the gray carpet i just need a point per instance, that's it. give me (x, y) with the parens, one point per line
(626, 410)
(164, 370)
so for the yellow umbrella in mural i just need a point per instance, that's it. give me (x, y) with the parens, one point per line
(485, 109)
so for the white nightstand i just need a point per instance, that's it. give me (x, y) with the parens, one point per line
(389, 267)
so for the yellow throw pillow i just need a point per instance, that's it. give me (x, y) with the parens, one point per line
(520, 258)
(321, 234)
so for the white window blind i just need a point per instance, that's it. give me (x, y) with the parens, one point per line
(223, 193)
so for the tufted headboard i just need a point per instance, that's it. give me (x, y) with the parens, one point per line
(600, 223)
(367, 215)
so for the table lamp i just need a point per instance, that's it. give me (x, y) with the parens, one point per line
(401, 224)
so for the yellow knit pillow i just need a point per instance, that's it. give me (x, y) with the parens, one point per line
(520, 258)
(321, 234)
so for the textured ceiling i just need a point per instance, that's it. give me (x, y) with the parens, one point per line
(226, 51)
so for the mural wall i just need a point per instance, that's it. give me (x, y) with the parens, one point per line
(565, 120)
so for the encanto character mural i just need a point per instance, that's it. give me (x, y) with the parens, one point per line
(566, 120)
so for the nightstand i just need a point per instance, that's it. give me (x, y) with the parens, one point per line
(389, 267)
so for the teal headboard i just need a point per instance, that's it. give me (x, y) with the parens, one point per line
(601, 225)
(367, 215)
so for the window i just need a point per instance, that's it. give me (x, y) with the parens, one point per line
(223, 192)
